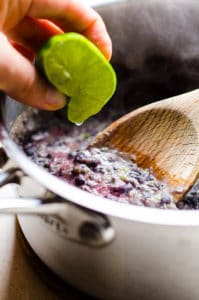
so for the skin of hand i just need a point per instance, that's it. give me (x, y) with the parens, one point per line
(24, 26)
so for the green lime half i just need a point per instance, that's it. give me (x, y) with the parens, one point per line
(77, 68)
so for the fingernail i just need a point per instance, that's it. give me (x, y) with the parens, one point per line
(55, 100)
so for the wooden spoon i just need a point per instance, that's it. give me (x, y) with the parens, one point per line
(163, 135)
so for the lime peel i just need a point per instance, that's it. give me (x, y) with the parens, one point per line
(77, 68)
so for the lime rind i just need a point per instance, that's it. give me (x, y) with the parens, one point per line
(77, 68)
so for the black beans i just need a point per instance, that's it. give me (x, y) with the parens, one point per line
(82, 158)
(79, 181)
(124, 189)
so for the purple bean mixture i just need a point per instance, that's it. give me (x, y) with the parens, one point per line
(103, 171)
(62, 149)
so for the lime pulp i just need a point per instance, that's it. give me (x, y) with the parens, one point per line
(78, 69)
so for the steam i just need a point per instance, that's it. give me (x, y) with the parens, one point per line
(160, 26)
(157, 41)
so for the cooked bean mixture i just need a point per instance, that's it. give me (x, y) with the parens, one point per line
(63, 150)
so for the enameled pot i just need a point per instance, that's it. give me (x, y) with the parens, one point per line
(107, 249)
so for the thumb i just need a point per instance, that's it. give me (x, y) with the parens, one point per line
(20, 80)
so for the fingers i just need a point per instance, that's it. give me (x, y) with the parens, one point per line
(95, 33)
(78, 16)
(67, 14)
(33, 33)
(19, 79)
(26, 52)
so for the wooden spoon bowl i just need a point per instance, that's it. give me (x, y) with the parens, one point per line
(163, 135)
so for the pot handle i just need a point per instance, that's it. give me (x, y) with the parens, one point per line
(71, 221)
(67, 220)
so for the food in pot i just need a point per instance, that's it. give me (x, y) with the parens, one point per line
(62, 149)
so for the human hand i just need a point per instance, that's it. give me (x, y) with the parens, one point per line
(31, 23)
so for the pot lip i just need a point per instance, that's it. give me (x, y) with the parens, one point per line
(170, 217)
